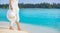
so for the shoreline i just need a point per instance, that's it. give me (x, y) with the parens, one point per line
(30, 28)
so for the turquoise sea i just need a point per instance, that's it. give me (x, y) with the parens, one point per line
(36, 16)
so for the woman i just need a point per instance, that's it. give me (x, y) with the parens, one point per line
(13, 14)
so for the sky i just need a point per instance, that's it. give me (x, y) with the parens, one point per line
(31, 1)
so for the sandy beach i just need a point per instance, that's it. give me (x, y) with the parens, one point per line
(26, 28)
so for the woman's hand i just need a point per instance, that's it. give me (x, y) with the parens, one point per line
(11, 8)
(11, 5)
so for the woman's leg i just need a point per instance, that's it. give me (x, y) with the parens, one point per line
(11, 26)
(17, 23)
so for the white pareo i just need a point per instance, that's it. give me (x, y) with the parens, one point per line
(13, 15)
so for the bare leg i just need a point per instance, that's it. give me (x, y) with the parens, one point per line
(18, 25)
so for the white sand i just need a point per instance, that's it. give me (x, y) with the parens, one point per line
(4, 30)
(28, 28)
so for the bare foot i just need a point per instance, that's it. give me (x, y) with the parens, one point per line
(11, 28)
(19, 29)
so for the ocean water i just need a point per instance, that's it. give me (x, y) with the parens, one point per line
(36, 16)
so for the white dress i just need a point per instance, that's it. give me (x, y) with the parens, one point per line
(13, 15)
